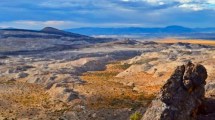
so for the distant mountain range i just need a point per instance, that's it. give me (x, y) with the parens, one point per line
(139, 30)
(89, 34)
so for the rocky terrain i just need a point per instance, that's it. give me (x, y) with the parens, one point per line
(52, 74)
(181, 96)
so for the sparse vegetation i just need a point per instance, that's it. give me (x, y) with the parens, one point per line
(143, 61)
(111, 94)
(104, 75)
(136, 116)
(122, 66)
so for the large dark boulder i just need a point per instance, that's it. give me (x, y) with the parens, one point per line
(181, 96)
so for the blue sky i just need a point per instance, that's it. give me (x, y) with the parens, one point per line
(64, 14)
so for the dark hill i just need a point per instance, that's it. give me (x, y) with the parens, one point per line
(21, 41)
(52, 30)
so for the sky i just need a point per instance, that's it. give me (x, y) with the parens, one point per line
(65, 14)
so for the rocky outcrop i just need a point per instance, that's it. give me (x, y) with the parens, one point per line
(62, 92)
(22, 75)
(181, 96)
(19, 69)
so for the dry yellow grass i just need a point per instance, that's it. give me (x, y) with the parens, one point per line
(193, 41)
(104, 92)
(20, 100)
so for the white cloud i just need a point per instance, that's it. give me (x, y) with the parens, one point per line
(126, 0)
(156, 2)
(210, 1)
(45, 23)
(59, 4)
(184, 1)
(64, 3)
(194, 7)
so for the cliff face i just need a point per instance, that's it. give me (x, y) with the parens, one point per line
(181, 96)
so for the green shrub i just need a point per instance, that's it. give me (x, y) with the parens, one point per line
(136, 116)
(143, 61)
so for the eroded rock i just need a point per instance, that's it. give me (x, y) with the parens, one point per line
(63, 93)
(181, 96)
(19, 69)
(22, 75)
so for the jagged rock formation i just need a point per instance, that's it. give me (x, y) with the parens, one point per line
(181, 96)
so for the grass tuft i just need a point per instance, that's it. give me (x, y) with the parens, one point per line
(136, 116)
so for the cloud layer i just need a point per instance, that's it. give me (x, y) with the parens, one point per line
(36, 14)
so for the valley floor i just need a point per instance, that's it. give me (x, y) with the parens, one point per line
(102, 82)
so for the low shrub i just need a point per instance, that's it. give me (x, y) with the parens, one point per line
(136, 116)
